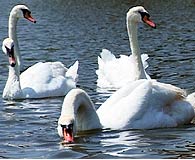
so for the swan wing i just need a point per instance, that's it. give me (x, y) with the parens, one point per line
(42, 71)
(167, 107)
(124, 104)
(46, 80)
(115, 72)
(73, 71)
(148, 105)
(122, 92)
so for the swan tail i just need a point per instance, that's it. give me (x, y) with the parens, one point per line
(145, 57)
(106, 55)
(115, 72)
(73, 71)
(191, 99)
(172, 92)
(180, 93)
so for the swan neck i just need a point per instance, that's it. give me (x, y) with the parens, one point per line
(12, 88)
(80, 108)
(132, 32)
(76, 100)
(12, 32)
(135, 50)
(13, 73)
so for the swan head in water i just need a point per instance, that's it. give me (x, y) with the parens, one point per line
(8, 49)
(20, 11)
(139, 14)
(78, 114)
(66, 129)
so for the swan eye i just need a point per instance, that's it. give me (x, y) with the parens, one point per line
(70, 126)
(10, 51)
(67, 129)
(26, 12)
(143, 14)
(27, 15)
(63, 126)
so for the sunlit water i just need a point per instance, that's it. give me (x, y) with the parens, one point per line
(77, 30)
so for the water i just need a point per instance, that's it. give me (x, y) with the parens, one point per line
(77, 30)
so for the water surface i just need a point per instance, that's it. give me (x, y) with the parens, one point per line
(78, 30)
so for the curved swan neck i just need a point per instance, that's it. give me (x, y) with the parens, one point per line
(80, 108)
(74, 100)
(135, 50)
(132, 32)
(12, 32)
(13, 73)
(12, 88)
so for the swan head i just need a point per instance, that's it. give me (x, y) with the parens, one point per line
(8, 49)
(139, 14)
(66, 128)
(22, 11)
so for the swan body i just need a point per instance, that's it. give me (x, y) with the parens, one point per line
(142, 104)
(115, 72)
(146, 104)
(41, 80)
(17, 12)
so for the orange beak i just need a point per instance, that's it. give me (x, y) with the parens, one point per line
(29, 17)
(68, 135)
(148, 21)
(12, 61)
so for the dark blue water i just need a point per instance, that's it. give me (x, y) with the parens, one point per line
(77, 30)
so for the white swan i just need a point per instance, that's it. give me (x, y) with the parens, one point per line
(41, 80)
(115, 72)
(19, 11)
(78, 114)
(142, 104)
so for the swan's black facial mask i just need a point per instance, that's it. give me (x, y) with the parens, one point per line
(67, 127)
(143, 14)
(10, 53)
(146, 19)
(67, 131)
(27, 15)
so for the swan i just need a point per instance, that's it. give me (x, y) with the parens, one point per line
(114, 72)
(141, 104)
(17, 12)
(78, 114)
(41, 80)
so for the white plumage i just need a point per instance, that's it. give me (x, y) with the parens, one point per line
(115, 72)
(142, 104)
(41, 80)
